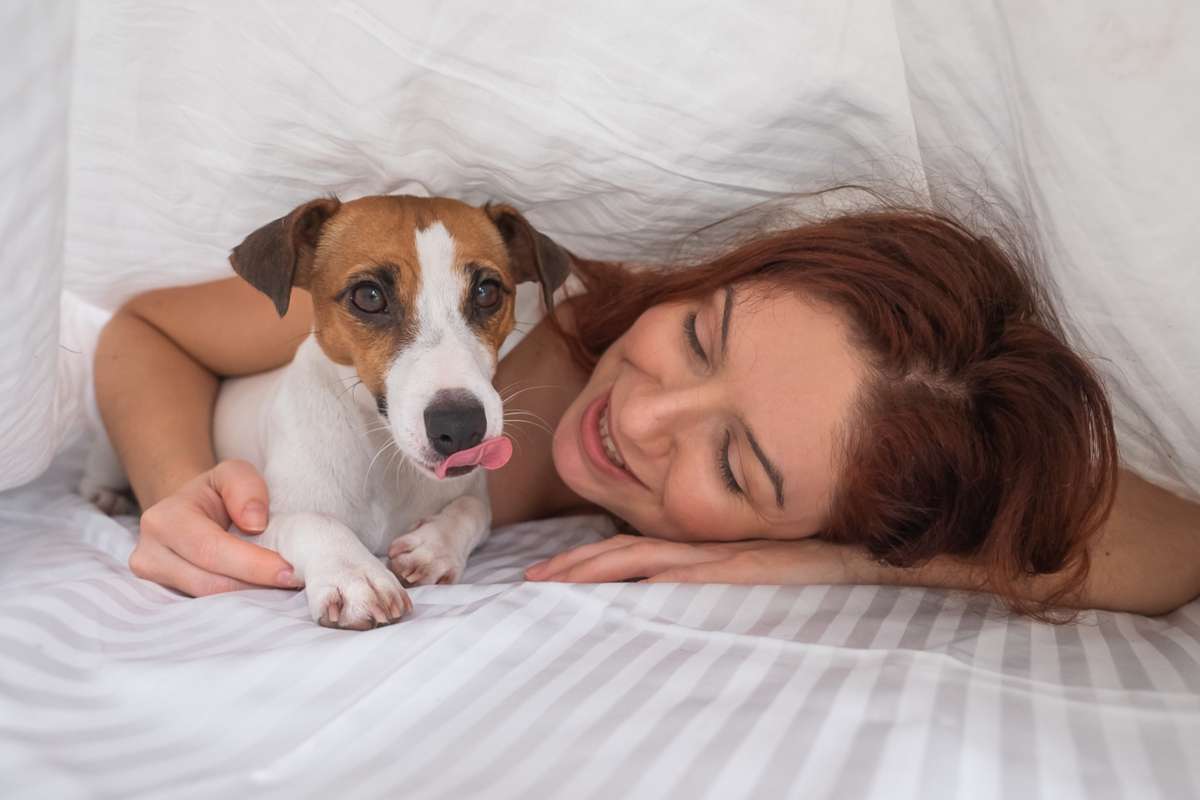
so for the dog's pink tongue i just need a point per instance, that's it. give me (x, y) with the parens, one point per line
(492, 454)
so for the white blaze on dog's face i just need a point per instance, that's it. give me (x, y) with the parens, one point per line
(417, 295)
(438, 388)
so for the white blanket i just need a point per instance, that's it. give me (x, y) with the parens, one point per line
(620, 127)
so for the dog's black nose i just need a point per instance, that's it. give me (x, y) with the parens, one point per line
(454, 421)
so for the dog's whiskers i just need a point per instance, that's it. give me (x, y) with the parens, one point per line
(538, 425)
(397, 460)
(528, 415)
(349, 388)
(511, 436)
(517, 416)
(521, 413)
(506, 387)
(382, 450)
(519, 392)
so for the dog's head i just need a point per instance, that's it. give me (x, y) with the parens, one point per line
(417, 295)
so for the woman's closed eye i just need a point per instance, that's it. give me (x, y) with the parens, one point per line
(724, 467)
(689, 332)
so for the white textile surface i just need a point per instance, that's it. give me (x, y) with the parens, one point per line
(140, 140)
(620, 128)
(41, 382)
(113, 687)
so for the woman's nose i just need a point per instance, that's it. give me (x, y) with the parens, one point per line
(653, 417)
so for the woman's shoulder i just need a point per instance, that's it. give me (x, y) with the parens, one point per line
(544, 379)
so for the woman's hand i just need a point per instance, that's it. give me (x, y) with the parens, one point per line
(184, 544)
(624, 557)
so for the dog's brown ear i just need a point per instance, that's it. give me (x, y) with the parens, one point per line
(534, 257)
(279, 255)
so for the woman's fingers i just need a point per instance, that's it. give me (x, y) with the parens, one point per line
(214, 549)
(157, 563)
(796, 563)
(628, 563)
(552, 566)
(244, 493)
(190, 525)
(633, 557)
(799, 562)
(723, 570)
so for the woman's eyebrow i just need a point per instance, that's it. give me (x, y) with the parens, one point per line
(725, 315)
(768, 467)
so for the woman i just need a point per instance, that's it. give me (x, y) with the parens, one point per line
(880, 397)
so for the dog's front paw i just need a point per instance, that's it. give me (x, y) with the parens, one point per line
(357, 596)
(425, 556)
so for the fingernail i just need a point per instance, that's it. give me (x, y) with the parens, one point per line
(254, 515)
(536, 571)
(287, 577)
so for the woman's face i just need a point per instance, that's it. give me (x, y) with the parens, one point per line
(717, 419)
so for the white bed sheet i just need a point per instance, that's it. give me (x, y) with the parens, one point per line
(114, 687)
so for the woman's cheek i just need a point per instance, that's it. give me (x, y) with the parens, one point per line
(566, 455)
(693, 515)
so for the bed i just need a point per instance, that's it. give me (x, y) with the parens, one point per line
(141, 139)
(113, 687)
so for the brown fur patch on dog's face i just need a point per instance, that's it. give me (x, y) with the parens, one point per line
(368, 249)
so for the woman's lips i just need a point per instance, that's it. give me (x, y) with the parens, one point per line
(593, 444)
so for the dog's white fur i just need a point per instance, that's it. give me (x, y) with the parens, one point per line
(344, 482)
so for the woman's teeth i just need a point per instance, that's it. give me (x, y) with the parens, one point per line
(610, 448)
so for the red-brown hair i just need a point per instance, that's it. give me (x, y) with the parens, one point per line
(980, 432)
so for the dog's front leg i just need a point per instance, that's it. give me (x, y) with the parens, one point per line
(347, 586)
(436, 551)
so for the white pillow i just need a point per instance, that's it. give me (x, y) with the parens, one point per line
(1083, 115)
(38, 409)
(619, 127)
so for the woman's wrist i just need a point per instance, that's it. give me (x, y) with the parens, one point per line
(859, 566)
(169, 477)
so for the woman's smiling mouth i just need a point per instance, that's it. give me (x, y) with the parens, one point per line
(598, 443)
(610, 447)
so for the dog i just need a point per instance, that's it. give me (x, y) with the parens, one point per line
(373, 438)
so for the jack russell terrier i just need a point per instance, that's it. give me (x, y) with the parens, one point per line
(412, 298)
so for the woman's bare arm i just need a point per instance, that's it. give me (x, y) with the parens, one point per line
(1145, 560)
(540, 379)
(159, 363)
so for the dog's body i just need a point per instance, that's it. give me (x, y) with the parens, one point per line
(342, 495)
(305, 414)
(370, 438)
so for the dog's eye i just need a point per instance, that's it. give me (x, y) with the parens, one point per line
(368, 298)
(487, 294)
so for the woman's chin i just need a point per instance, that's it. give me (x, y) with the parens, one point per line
(569, 462)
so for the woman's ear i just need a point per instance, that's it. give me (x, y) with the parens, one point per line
(279, 255)
(534, 257)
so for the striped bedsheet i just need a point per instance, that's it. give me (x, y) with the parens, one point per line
(495, 688)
